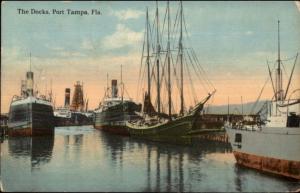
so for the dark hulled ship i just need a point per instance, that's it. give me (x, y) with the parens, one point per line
(75, 114)
(114, 111)
(162, 120)
(29, 114)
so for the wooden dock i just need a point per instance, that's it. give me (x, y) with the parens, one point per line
(211, 134)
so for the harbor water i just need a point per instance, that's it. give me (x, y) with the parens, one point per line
(85, 159)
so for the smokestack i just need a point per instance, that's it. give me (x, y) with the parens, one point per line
(77, 100)
(29, 83)
(67, 97)
(23, 88)
(114, 88)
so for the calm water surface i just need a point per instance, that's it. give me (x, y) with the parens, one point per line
(84, 159)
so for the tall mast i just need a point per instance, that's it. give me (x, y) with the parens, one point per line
(122, 85)
(169, 68)
(228, 109)
(50, 97)
(157, 59)
(242, 105)
(279, 74)
(148, 55)
(107, 84)
(181, 62)
(30, 62)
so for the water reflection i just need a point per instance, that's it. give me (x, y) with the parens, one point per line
(114, 148)
(66, 140)
(78, 139)
(169, 174)
(165, 160)
(18, 146)
(77, 143)
(158, 169)
(238, 180)
(84, 159)
(148, 160)
(38, 148)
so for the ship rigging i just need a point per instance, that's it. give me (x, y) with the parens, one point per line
(275, 75)
(168, 73)
(178, 77)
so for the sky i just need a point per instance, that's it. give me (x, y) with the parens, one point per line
(232, 40)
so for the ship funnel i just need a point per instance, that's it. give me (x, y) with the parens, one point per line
(67, 97)
(77, 101)
(114, 88)
(23, 88)
(29, 83)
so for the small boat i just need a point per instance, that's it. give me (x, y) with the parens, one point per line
(271, 145)
(155, 122)
(29, 114)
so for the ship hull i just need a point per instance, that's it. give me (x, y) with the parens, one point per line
(116, 129)
(31, 119)
(280, 167)
(113, 120)
(76, 119)
(271, 150)
(179, 127)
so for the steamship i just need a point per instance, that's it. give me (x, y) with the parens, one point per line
(273, 145)
(29, 114)
(114, 111)
(76, 113)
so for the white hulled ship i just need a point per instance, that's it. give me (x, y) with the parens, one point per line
(273, 145)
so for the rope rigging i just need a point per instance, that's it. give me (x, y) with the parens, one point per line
(190, 63)
(258, 98)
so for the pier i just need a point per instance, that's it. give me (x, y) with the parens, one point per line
(212, 135)
(211, 126)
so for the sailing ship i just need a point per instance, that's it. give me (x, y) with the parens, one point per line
(114, 110)
(272, 145)
(156, 122)
(30, 114)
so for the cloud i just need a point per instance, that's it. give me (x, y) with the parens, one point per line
(249, 32)
(71, 54)
(14, 52)
(127, 14)
(87, 45)
(57, 48)
(122, 37)
(298, 5)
